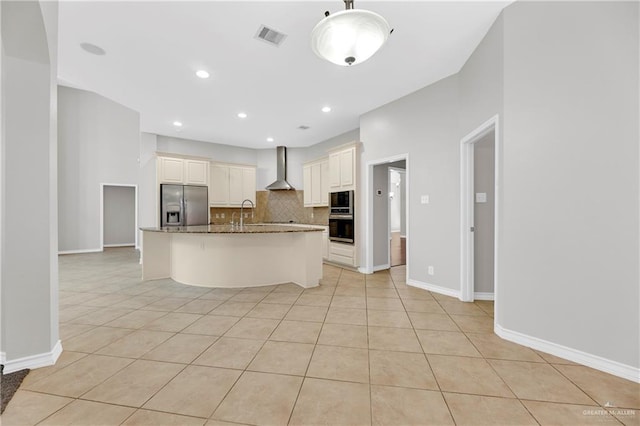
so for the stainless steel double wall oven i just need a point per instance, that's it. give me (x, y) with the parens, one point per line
(341, 217)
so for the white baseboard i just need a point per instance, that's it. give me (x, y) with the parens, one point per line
(483, 296)
(381, 267)
(608, 366)
(80, 251)
(119, 245)
(364, 270)
(434, 288)
(32, 361)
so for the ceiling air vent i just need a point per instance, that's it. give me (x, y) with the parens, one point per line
(303, 127)
(270, 36)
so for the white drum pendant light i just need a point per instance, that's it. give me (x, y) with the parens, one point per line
(350, 36)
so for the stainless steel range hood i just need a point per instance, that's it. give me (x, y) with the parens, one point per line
(281, 183)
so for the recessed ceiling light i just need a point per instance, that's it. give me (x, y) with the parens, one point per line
(326, 109)
(177, 123)
(92, 48)
(202, 74)
(242, 115)
(269, 139)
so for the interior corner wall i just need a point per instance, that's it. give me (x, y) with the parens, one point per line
(29, 278)
(319, 150)
(148, 202)
(213, 151)
(98, 142)
(568, 266)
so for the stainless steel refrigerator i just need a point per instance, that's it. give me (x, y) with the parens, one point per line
(183, 205)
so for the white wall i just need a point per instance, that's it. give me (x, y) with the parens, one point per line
(119, 206)
(98, 142)
(29, 290)
(568, 268)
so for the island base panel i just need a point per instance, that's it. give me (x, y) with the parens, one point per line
(235, 260)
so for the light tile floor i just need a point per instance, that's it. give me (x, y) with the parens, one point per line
(358, 350)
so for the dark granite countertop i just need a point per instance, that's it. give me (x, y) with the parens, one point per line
(266, 228)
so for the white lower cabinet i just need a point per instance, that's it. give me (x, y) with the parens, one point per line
(342, 253)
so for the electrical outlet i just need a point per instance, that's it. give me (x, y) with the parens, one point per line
(217, 215)
(430, 270)
(222, 215)
(246, 215)
(424, 199)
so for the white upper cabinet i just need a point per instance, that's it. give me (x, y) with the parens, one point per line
(342, 169)
(219, 185)
(249, 184)
(196, 172)
(316, 183)
(231, 184)
(183, 171)
(170, 170)
(306, 179)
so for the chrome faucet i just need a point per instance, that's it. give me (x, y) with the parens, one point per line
(241, 211)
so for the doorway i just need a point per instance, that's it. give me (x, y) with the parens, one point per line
(397, 216)
(380, 207)
(119, 216)
(479, 213)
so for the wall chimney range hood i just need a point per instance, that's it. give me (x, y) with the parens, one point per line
(281, 183)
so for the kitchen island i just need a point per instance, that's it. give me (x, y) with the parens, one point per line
(226, 256)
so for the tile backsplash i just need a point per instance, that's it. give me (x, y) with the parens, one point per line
(277, 206)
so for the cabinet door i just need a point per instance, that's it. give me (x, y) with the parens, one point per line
(235, 185)
(196, 172)
(315, 184)
(347, 167)
(249, 184)
(171, 170)
(334, 170)
(306, 178)
(324, 183)
(219, 185)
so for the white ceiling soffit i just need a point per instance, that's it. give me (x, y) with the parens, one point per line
(154, 48)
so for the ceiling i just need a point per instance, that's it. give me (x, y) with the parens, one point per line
(154, 48)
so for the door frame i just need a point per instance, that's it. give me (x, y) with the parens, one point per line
(369, 267)
(467, 206)
(135, 202)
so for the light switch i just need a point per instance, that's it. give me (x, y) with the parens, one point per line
(424, 199)
(481, 197)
